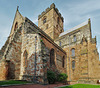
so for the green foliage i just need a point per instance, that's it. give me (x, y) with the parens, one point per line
(51, 77)
(62, 77)
(41, 40)
(82, 86)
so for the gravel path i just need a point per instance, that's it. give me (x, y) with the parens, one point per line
(34, 86)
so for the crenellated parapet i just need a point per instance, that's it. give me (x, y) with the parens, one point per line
(94, 40)
(52, 6)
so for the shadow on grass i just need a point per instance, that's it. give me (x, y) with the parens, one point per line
(67, 87)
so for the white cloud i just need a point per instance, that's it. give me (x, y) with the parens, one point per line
(79, 12)
(35, 20)
(97, 33)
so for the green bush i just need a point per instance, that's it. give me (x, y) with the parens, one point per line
(51, 77)
(62, 77)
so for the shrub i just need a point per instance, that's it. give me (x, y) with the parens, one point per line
(62, 77)
(51, 77)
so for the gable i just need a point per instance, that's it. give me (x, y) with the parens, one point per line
(18, 20)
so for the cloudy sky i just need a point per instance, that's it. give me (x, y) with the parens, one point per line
(74, 12)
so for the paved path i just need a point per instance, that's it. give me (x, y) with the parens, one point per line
(34, 86)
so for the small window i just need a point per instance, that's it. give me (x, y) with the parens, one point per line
(74, 38)
(16, 26)
(63, 62)
(44, 20)
(60, 31)
(57, 27)
(73, 64)
(73, 52)
(59, 43)
(47, 26)
(57, 19)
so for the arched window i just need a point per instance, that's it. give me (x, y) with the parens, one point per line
(73, 64)
(57, 27)
(44, 20)
(63, 62)
(47, 26)
(73, 52)
(59, 43)
(16, 26)
(52, 57)
(74, 38)
(25, 55)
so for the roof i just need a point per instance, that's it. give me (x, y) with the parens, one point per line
(74, 28)
(44, 34)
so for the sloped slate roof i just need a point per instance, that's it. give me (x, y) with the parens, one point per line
(74, 28)
(44, 34)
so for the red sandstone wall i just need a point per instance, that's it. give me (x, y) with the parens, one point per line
(58, 65)
(3, 70)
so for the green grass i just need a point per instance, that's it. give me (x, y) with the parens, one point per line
(82, 86)
(8, 82)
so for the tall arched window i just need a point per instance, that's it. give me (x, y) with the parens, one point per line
(73, 52)
(25, 55)
(63, 62)
(58, 20)
(73, 64)
(16, 26)
(52, 57)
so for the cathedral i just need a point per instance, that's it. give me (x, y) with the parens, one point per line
(31, 50)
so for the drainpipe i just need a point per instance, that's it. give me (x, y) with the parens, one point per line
(34, 78)
(69, 60)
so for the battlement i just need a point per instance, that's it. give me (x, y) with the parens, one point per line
(48, 9)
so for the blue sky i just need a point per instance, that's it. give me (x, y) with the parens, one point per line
(74, 12)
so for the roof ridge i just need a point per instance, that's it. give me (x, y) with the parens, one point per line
(74, 28)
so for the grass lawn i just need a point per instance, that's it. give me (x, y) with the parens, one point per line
(82, 86)
(7, 82)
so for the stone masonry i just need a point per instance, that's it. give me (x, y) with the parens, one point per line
(30, 50)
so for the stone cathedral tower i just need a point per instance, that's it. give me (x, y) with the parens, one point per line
(30, 50)
(51, 22)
